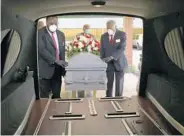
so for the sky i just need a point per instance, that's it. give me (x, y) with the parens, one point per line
(95, 22)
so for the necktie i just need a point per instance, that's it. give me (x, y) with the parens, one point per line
(55, 46)
(111, 39)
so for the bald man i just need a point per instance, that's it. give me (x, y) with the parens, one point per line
(86, 28)
(90, 38)
(113, 44)
(86, 34)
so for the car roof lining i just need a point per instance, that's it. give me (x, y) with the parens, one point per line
(143, 8)
(88, 14)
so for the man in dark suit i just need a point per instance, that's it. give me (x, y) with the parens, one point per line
(113, 45)
(51, 58)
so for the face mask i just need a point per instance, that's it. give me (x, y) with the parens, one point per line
(86, 31)
(110, 31)
(52, 28)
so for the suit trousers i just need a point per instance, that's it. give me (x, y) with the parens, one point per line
(51, 85)
(119, 82)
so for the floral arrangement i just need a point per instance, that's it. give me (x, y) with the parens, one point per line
(83, 43)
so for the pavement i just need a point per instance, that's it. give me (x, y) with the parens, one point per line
(130, 83)
(136, 58)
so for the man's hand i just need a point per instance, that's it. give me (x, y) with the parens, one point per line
(108, 59)
(61, 63)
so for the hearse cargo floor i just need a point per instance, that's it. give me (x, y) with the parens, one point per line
(128, 116)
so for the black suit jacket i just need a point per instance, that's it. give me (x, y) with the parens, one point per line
(116, 50)
(46, 53)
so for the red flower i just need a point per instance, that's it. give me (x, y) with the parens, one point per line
(90, 42)
(98, 49)
(87, 36)
(97, 44)
(76, 44)
(84, 43)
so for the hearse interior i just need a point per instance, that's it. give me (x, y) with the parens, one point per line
(158, 109)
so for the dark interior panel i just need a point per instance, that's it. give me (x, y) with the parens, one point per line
(162, 27)
(15, 106)
(155, 58)
(172, 90)
(16, 95)
(27, 32)
(160, 76)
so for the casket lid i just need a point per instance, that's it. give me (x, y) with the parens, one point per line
(86, 60)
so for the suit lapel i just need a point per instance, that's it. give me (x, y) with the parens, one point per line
(51, 41)
(107, 38)
(61, 44)
(115, 37)
(59, 39)
(47, 35)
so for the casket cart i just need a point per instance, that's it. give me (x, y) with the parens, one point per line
(85, 71)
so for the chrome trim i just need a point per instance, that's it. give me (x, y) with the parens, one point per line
(70, 109)
(42, 117)
(153, 121)
(127, 127)
(167, 116)
(116, 106)
(26, 117)
(92, 108)
(68, 129)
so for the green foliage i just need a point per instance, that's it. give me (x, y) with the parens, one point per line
(131, 69)
(75, 51)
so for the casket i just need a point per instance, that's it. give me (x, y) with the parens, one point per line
(85, 71)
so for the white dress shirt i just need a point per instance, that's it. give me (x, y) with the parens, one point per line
(112, 36)
(55, 37)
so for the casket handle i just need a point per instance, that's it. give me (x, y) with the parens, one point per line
(69, 82)
(86, 82)
(102, 82)
(85, 78)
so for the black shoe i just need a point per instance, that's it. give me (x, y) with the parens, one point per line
(56, 97)
(37, 98)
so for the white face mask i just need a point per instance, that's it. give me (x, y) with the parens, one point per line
(110, 31)
(52, 28)
(86, 31)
